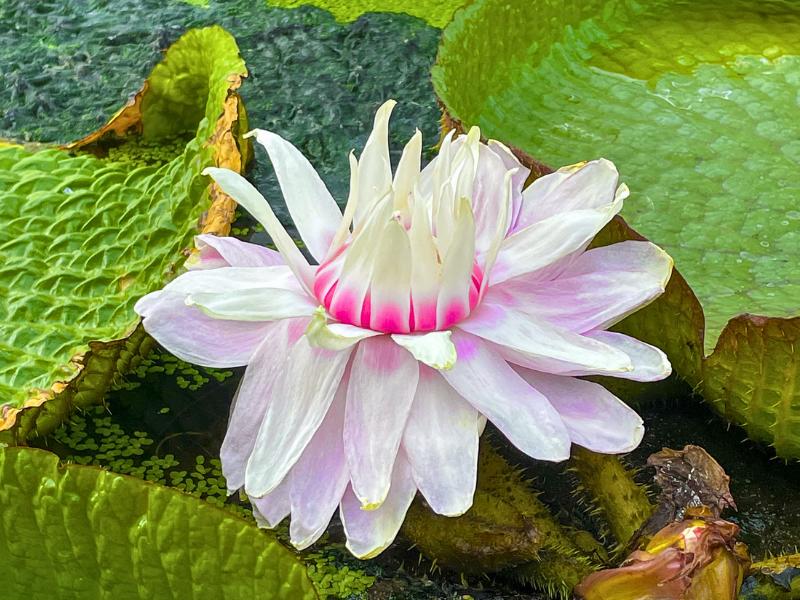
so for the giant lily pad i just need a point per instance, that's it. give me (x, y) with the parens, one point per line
(693, 101)
(435, 12)
(84, 533)
(85, 235)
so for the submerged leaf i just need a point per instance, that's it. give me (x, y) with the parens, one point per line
(84, 236)
(82, 532)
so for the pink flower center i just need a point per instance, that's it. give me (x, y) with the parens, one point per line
(436, 312)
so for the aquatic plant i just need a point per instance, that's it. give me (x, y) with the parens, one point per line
(400, 344)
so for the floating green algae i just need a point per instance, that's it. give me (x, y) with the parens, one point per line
(436, 12)
(696, 102)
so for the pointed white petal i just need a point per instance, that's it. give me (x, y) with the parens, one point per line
(383, 380)
(406, 175)
(434, 349)
(595, 418)
(249, 198)
(441, 442)
(649, 363)
(370, 532)
(349, 210)
(313, 209)
(303, 393)
(375, 170)
(272, 508)
(524, 415)
(518, 180)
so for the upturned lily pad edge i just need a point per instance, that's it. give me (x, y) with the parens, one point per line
(95, 369)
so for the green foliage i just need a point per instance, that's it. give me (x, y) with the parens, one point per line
(688, 100)
(81, 532)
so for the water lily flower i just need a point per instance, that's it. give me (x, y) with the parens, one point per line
(440, 298)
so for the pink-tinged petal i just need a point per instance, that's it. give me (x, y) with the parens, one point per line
(545, 242)
(491, 200)
(314, 211)
(249, 198)
(271, 509)
(374, 167)
(597, 289)
(255, 304)
(649, 363)
(523, 414)
(319, 478)
(582, 186)
(214, 252)
(370, 532)
(425, 267)
(537, 344)
(441, 442)
(434, 349)
(383, 380)
(595, 418)
(195, 337)
(254, 395)
(229, 279)
(390, 287)
(518, 180)
(302, 395)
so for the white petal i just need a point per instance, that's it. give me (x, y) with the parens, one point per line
(319, 478)
(434, 349)
(518, 180)
(383, 380)
(454, 295)
(349, 210)
(238, 188)
(542, 346)
(255, 304)
(441, 442)
(334, 336)
(544, 242)
(524, 415)
(215, 251)
(228, 279)
(649, 363)
(313, 209)
(303, 393)
(406, 175)
(272, 508)
(370, 532)
(491, 200)
(599, 288)
(254, 395)
(195, 337)
(595, 418)
(575, 187)
(375, 170)
(390, 287)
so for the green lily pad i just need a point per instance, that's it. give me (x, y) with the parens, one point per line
(86, 235)
(82, 532)
(692, 101)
